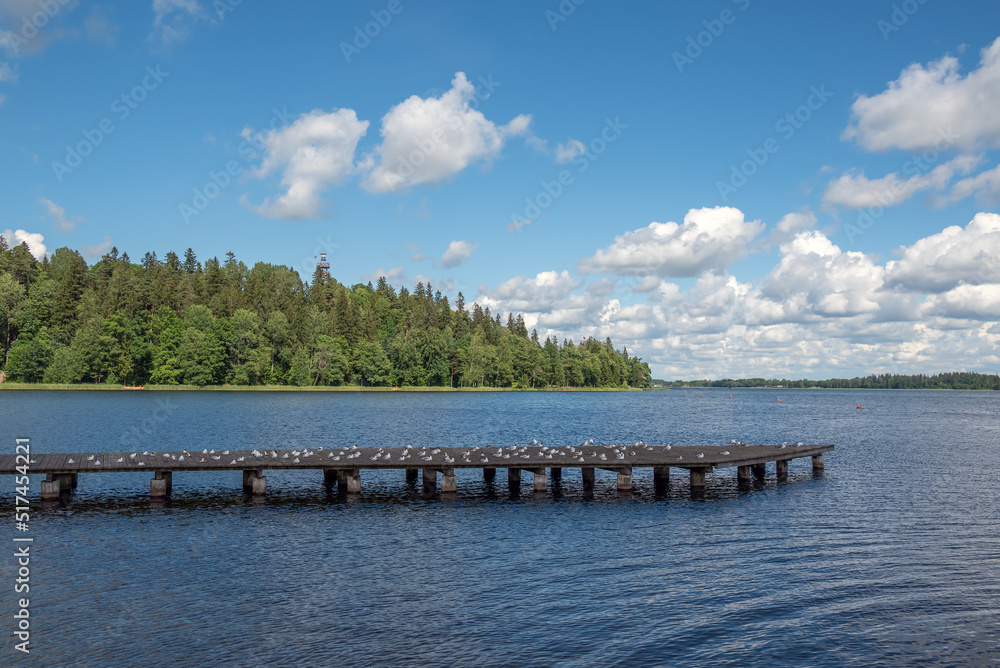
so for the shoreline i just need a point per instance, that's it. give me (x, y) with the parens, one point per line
(14, 387)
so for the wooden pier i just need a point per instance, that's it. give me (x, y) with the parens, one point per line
(342, 466)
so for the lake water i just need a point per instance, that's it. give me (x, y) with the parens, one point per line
(891, 557)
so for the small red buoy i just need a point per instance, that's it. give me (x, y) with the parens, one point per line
(859, 405)
(779, 399)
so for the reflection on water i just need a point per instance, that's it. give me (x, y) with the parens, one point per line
(890, 557)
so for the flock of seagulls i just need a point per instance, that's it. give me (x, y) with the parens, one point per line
(586, 452)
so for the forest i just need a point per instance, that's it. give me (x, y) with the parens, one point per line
(178, 321)
(942, 381)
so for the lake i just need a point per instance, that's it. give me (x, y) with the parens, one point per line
(891, 557)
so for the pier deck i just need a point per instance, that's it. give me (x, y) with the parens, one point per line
(343, 465)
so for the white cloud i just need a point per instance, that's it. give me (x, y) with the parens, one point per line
(853, 190)
(59, 219)
(430, 140)
(34, 240)
(173, 20)
(95, 251)
(709, 239)
(314, 152)
(396, 275)
(791, 224)
(985, 186)
(546, 292)
(566, 152)
(977, 302)
(920, 108)
(99, 27)
(457, 253)
(950, 258)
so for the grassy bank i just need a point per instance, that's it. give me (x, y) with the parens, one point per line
(288, 388)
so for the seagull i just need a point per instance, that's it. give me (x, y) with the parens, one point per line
(295, 461)
(90, 458)
(724, 452)
(602, 457)
(71, 462)
(225, 452)
(232, 462)
(120, 459)
(700, 455)
(216, 457)
(142, 463)
(97, 463)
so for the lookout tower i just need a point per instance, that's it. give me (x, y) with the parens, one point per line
(324, 265)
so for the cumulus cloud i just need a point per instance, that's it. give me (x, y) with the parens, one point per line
(457, 253)
(571, 149)
(950, 258)
(546, 292)
(35, 241)
(314, 152)
(59, 219)
(853, 190)
(709, 239)
(920, 108)
(430, 140)
(791, 224)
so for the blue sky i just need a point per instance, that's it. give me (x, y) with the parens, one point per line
(729, 188)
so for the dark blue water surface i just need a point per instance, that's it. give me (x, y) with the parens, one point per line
(890, 558)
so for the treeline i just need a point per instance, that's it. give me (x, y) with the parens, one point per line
(886, 381)
(181, 321)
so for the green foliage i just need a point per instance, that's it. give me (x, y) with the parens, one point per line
(182, 321)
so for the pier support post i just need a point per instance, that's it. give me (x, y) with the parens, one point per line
(817, 463)
(625, 479)
(449, 485)
(76, 476)
(588, 478)
(698, 481)
(743, 476)
(556, 473)
(489, 474)
(353, 481)
(514, 479)
(67, 481)
(329, 477)
(782, 469)
(541, 480)
(758, 471)
(430, 481)
(50, 487)
(661, 477)
(411, 476)
(161, 483)
(254, 482)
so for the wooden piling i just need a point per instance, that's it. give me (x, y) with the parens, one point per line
(50, 487)
(817, 463)
(430, 482)
(625, 479)
(514, 478)
(781, 467)
(588, 478)
(556, 473)
(161, 484)
(411, 476)
(342, 481)
(254, 482)
(449, 484)
(661, 477)
(329, 477)
(489, 474)
(354, 481)
(698, 481)
(541, 481)
(758, 471)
